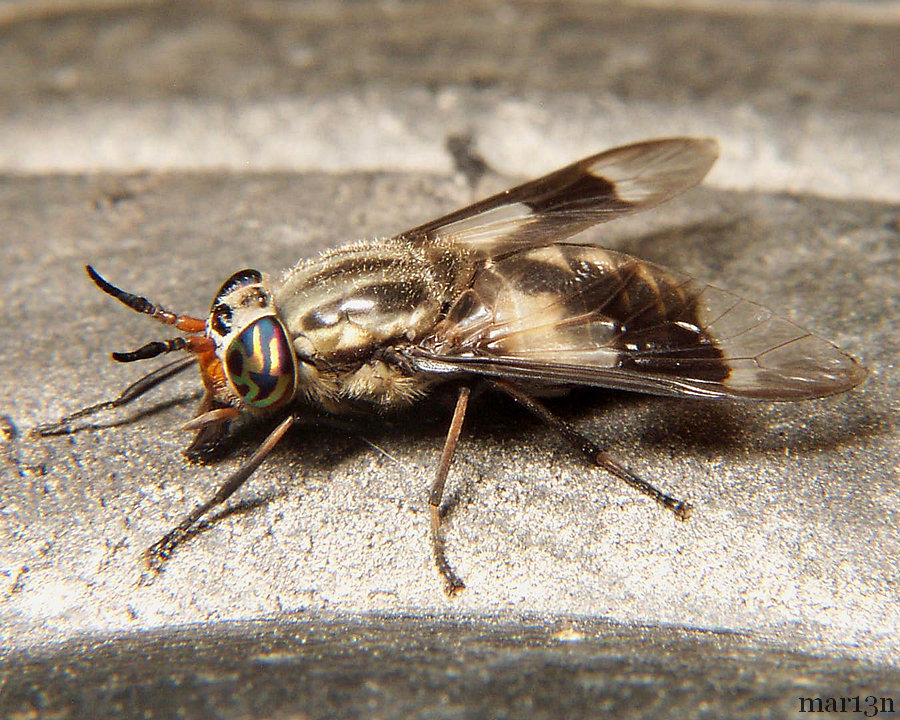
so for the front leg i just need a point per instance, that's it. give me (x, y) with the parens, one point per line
(161, 550)
(212, 422)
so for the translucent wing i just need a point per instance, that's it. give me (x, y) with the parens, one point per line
(590, 191)
(575, 314)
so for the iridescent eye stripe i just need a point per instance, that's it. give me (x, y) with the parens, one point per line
(260, 361)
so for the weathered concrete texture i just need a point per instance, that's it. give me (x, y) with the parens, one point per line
(322, 122)
(794, 533)
(800, 101)
(388, 668)
(247, 50)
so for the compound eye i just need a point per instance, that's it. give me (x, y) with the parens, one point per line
(260, 364)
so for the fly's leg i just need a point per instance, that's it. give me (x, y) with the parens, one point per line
(211, 422)
(63, 426)
(592, 452)
(452, 583)
(161, 550)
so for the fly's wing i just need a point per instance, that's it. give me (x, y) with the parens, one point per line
(576, 314)
(554, 207)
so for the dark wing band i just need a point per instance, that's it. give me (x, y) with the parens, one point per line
(594, 190)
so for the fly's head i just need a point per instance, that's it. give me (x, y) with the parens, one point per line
(243, 349)
(254, 364)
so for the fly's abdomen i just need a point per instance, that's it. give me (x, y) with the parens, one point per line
(581, 305)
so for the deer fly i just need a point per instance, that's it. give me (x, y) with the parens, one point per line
(491, 297)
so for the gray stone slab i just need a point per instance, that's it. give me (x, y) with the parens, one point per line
(416, 668)
(784, 584)
(262, 49)
(794, 534)
(800, 99)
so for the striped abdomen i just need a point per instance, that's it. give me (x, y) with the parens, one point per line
(584, 306)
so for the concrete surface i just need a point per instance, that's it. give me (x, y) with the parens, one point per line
(794, 540)
(801, 98)
(383, 668)
(794, 535)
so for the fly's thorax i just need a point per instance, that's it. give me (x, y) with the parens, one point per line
(350, 302)
(260, 368)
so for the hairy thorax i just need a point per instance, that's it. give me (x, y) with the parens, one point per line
(344, 309)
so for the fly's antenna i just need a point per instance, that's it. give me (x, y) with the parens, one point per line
(195, 344)
(185, 323)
